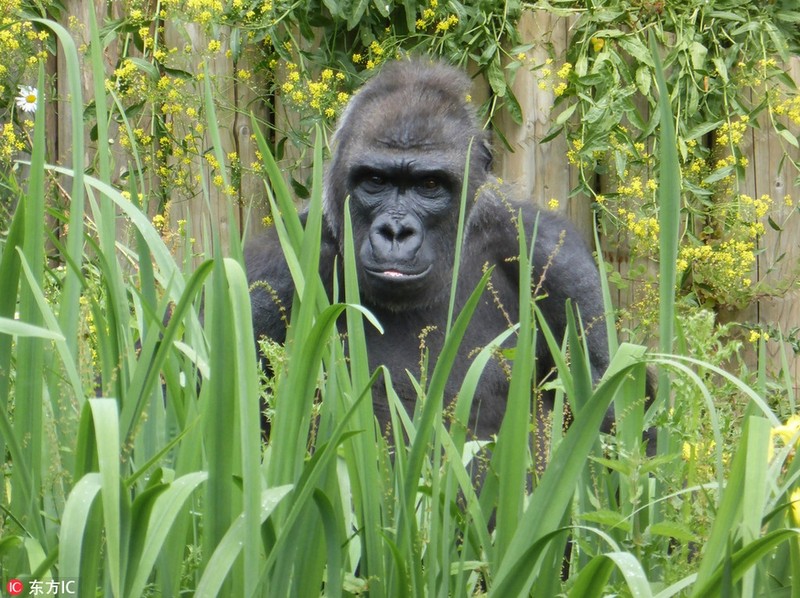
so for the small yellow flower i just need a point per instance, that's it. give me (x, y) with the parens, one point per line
(598, 43)
(553, 204)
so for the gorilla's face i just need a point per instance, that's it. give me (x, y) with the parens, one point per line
(399, 154)
(404, 208)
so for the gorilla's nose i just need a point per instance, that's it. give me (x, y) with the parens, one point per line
(395, 239)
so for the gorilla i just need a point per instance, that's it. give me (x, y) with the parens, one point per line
(399, 153)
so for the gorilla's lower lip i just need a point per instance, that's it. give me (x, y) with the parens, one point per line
(392, 274)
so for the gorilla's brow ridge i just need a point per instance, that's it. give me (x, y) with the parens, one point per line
(393, 142)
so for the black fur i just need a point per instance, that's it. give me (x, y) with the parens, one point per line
(399, 153)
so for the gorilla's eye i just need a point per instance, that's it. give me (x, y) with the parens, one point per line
(430, 184)
(376, 180)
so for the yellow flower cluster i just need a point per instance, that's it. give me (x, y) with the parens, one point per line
(645, 230)
(751, 211)
(10, 143)
(203, 11)
(725, 266)
(376, 55)
(129, 81)
(558, 81)
(790, 108)
(573, 154)
(446, 24)
(635, 189)
(160, 222)
(431, 14)
(700, 450)
(21, 46)
(732, 132)
(320, 96)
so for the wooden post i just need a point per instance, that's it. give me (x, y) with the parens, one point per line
(538, 170)
(782, 312)
(233, 103)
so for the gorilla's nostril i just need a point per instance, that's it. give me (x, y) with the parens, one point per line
(387, 232)
(405, 234)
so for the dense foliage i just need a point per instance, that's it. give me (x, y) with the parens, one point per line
(132, 455)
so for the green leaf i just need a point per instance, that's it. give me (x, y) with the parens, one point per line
(593, 578)
(497, 80)
(611, 519)
(162, 516)
(17, 328)
(698, 53)
(671, 529)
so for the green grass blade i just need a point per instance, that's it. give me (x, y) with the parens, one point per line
(30, 350)
(234, 243)
(669, 202)
(68, 316)
(162, 516)
(9, 295)
(510, 458)
(462, 210)
(73, 527)
(280, 191)
(743, 560)
(247, 393)
(24, 330)
(155, 349)
(591, 581)
(608, 305)
(226, 552)
(219, 416)
(106, 429)
(730, 517)
(333, 535)
(67, 359)
(552, 496)
(362, 448)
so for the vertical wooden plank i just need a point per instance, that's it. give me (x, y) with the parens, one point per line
(234, 101)
(765, 149)
(782, 312)
(253, 205)
(540, 171)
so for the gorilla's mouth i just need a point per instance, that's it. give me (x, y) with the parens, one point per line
(394, 275)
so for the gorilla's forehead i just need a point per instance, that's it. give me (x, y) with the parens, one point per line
(412, 136)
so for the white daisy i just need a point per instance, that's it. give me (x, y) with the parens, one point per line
(26, 100)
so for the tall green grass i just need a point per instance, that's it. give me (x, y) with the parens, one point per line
(159, 483)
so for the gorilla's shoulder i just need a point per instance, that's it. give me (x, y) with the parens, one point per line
(264, 255)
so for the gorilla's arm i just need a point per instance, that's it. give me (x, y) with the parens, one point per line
(563, 269)
(272, 287)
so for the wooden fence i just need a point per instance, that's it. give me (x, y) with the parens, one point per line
(540, 171)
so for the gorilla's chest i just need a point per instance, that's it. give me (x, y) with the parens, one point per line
(410, 346)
